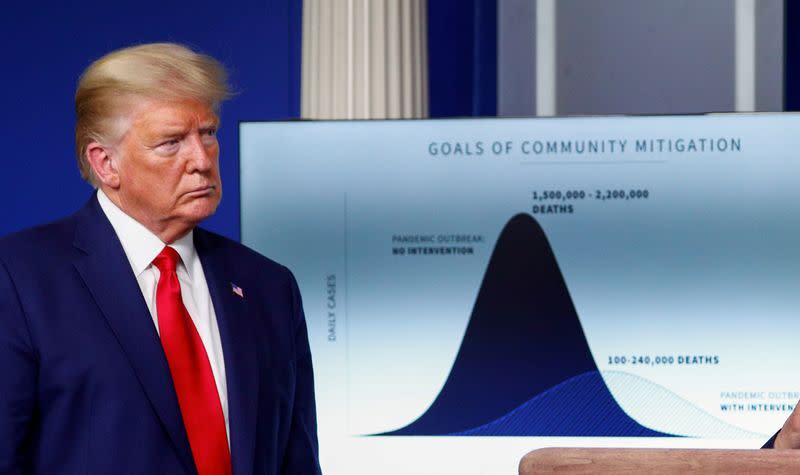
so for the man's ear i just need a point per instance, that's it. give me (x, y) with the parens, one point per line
(103, 164)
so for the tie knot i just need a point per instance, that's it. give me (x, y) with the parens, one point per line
(167, 260)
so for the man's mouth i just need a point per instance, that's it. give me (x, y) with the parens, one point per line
(202, 191)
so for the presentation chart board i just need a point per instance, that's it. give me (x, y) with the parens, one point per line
(478, 288)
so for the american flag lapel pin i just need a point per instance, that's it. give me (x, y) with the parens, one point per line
(237, 290)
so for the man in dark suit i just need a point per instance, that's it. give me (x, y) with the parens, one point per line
(132, 342)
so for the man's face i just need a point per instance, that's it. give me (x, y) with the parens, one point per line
(167, 164)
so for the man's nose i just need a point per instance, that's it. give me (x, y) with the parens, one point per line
(201, 157)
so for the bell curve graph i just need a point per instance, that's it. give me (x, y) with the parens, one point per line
(533, 282)
(505, 380)
(524, 367)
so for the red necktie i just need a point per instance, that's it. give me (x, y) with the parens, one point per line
(191, 373)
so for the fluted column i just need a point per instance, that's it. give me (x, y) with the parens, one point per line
(364, 59)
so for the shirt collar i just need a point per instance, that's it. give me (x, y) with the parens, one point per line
(141, 246)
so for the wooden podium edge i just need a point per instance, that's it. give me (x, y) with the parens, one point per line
(659, 461)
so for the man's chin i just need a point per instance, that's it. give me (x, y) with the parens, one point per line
(201, 208)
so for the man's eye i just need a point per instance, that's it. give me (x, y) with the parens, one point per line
(209, 137)
(168, 146)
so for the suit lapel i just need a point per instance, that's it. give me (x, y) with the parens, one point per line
(238, 347)
(107, 273)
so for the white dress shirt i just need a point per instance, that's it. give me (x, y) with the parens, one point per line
(141, 247)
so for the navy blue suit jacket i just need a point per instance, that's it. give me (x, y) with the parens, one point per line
(85, 387)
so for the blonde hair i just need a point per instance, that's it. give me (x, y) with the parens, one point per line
(155, 71)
